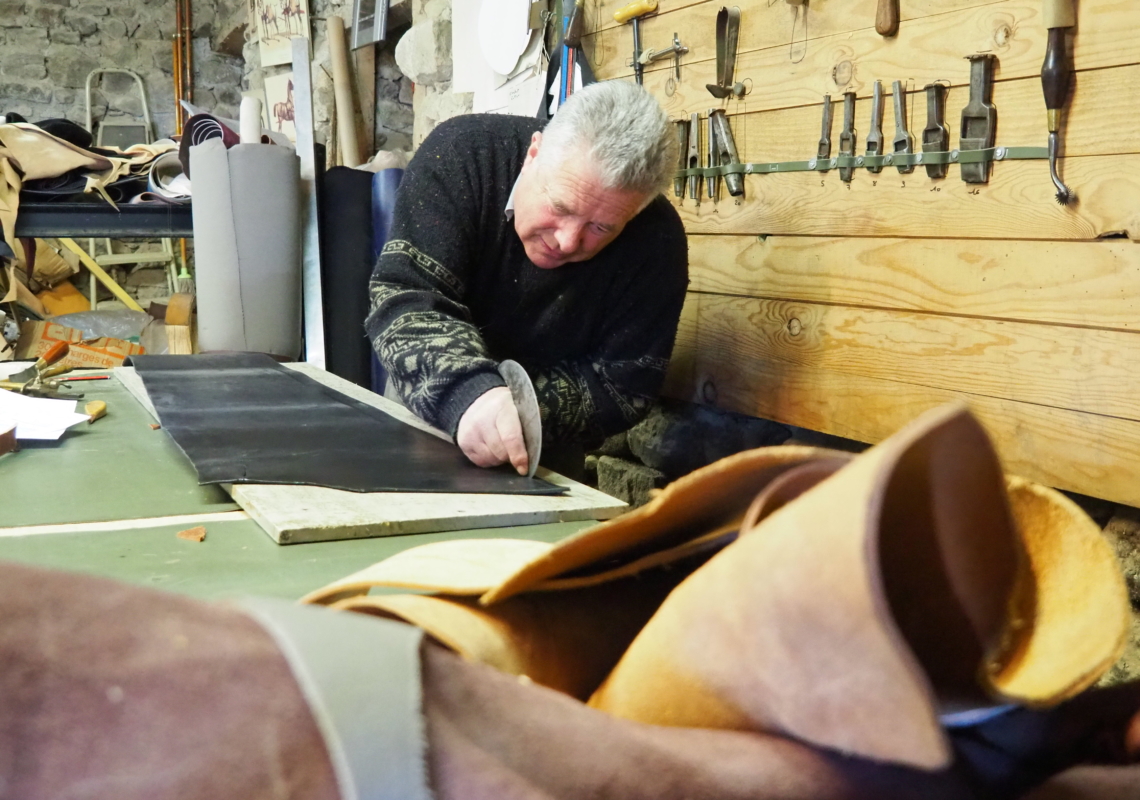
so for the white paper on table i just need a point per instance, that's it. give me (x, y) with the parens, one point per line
(38, 417)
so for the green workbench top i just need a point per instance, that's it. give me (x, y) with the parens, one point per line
(236, 558)
(114, 469)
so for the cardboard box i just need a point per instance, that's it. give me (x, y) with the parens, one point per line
(104, 352)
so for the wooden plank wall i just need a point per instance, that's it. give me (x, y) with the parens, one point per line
(851, 308)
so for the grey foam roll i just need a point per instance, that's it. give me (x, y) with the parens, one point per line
(247, 247)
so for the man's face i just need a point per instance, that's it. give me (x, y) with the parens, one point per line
(562, 213)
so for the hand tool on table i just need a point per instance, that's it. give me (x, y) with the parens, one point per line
(848, 135)
(573, 35)
(694, 159)
(682, 156)
(904, 142)
(727, 37)
(875, 137)
(726, 152)
(633, 14)
(823, 152)
(39, 380)
(675, 50)
(1056, 76)
(887, 17)
(979, 117)
(522, 392)
(936, 134)
(712, 187)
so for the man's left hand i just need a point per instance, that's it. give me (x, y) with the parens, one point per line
(490, 432)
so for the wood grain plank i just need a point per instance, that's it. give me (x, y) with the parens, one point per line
(1073, 283)
(1099, 119)
(1018, 203)
(762, 25)
(1087, 453)
(932, 49)
(1080, 369)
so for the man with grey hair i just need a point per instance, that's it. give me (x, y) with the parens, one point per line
(551, 247)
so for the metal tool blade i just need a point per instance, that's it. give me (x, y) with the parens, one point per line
(904, 142)
(823, 153)
(694, 160)
(875, 137)
(979, 117)
(712, 187)
(727, 36)
(522, 391)
(682, 156)
(726, 152)
(936, 134)
(848, 135)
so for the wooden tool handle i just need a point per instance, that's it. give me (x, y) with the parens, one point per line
(1059, 14)
(54, 353)
(636, 9)
(887, 18)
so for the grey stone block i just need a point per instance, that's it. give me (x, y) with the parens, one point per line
(678, 437)
(25, 92)
(1123, 533)
(424, 52)
(81, 24)
(628, 480)
(64, 36)
(114, 28)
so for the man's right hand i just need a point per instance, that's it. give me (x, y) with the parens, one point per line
(490, 432)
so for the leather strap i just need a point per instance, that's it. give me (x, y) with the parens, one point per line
(361, 678)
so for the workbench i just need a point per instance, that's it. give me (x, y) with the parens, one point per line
(109, 498)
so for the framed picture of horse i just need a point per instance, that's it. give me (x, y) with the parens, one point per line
(279, 102)
(279, 21)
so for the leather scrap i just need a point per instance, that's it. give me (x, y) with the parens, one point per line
(243, 418)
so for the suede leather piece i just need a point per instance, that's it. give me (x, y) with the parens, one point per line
(112, 691)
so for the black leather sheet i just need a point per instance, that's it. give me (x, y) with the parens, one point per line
(243, 418)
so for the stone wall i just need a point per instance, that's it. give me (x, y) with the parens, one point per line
(48, 47)
(424, 54)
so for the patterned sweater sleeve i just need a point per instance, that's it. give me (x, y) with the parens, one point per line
(420, 329)
(611, 389)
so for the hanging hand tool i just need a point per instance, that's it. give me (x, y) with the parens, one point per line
(875, 137)
(904, 142)
(682, 156)
(633, 14)
(727, 36)
(979, 117)
(573, 36)
(694, 161)
(936, 134)
(823, 152)
(712, 183)
(887, 18)
(676, 50)
(848, 135)
(726, 152)
(1055, 79)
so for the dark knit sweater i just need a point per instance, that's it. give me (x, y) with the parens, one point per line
(453, 294)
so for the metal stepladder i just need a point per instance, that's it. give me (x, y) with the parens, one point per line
(118, 134)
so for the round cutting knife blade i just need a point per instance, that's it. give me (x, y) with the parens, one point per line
(522, 390)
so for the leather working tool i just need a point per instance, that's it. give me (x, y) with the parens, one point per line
(1056, 76)
(823, 153)
(522, 391)
(887, 18)
(936, 134)
(848, 135)
(633, 14)
(979, 117)
(875, 137)
(904, 142)
(574, 27)
(38, 379)
(682, 126)
(676, 50)
(712, 182)
(694, 159)
(727, 36)
(726, 151)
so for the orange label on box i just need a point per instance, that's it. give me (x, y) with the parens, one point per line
(36, 338)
